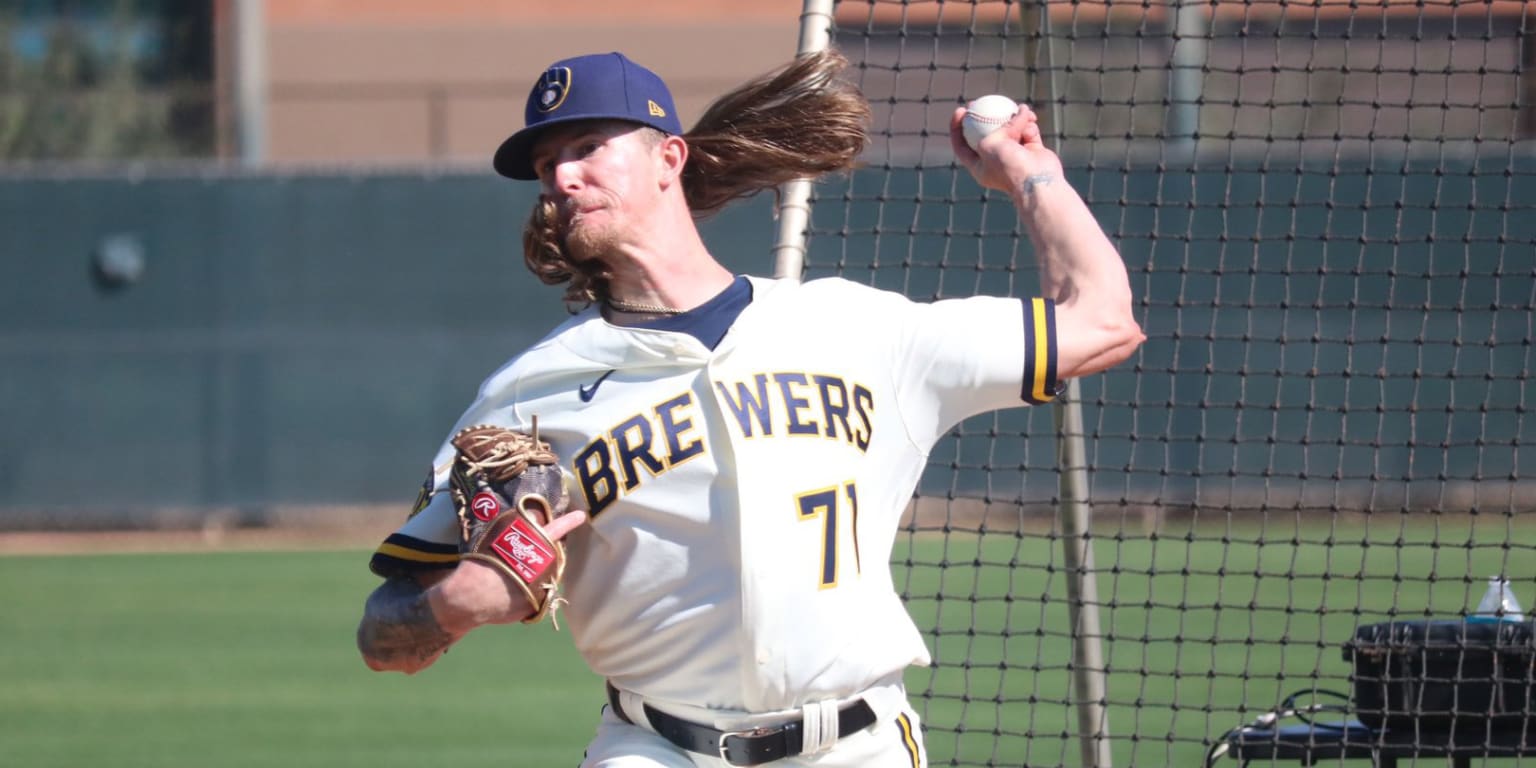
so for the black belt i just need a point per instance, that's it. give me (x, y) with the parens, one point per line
(749, 747)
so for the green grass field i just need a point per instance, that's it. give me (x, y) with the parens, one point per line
(246, 658)
(1204, 627)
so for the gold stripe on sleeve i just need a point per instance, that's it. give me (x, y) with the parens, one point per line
(909, 740)
(416, 555)
(1041, 346)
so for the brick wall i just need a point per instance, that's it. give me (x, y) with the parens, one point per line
(368, 80)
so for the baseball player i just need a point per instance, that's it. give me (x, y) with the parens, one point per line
(739, 449)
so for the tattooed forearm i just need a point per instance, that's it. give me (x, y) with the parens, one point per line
(1037, 180)
(398, 629)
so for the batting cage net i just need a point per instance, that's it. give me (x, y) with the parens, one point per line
(1300, 487)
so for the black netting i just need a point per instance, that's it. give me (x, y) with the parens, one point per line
(1329, 216)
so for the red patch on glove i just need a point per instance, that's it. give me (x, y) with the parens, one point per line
(524, 551)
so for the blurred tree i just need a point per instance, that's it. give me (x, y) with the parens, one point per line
(106, 79)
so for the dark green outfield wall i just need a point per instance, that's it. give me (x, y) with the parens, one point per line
(1322, 332)
(309, 339)
(291, 340)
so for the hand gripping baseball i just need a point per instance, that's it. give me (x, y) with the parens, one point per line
(507, 485)
(1003, 163)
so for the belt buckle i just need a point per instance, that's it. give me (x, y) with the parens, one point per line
(747, 734)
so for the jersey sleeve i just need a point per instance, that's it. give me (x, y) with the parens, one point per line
(960, 357)
(429, 538)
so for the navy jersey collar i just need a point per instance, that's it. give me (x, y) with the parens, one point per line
(709, 321)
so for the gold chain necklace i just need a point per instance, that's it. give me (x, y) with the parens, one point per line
(636, 307)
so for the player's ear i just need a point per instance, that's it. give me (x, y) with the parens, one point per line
(671, 156)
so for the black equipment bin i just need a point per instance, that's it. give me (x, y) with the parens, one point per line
(1444, 675)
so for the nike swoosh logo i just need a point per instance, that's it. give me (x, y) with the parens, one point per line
(587, 393)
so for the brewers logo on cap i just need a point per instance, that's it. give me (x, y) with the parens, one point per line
(553, 87)
(612, 88)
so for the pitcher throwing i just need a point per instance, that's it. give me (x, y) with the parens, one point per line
(738, 451)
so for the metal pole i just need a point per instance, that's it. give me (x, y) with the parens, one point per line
(1088, 678)
(1073, 517)
(437, 122)
(251, 80)
(795, 197)
(1186, 76)
(1525, 94)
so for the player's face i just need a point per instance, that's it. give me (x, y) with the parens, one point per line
(601, 176)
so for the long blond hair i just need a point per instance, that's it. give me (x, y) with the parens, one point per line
(801, 120)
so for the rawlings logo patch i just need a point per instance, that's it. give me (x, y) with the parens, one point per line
(485, 506)
(524, 552)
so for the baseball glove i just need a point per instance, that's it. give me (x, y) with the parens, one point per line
(507, 485)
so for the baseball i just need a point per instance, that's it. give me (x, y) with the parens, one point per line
(985, 115)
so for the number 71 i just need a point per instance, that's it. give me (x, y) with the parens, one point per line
(823, 504)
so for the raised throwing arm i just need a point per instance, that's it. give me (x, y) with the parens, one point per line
(1079, 267)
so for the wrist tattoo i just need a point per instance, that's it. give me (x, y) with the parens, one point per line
(1037, 180)
(398, 624)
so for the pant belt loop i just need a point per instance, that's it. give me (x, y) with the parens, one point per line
(630, 707)
(830, 722)
(819, 721)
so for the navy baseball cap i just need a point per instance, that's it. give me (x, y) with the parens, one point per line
(602, 86)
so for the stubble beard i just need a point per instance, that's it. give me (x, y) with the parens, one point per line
(586, 246)
(591, 237)
(586, 243)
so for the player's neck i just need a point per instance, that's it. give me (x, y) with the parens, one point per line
(667, 284)
(670, 271)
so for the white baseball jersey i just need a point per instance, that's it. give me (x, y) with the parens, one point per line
(745, 499)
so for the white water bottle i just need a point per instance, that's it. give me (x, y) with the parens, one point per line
(1498, 603)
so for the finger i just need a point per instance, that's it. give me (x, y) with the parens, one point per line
(566, 523)
(957, 143)
(1031, 134)
(1027, 125)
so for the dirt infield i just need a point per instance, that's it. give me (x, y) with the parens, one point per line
(52, 532)
(206, 540)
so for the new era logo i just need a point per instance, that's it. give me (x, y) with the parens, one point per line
(656, 110)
